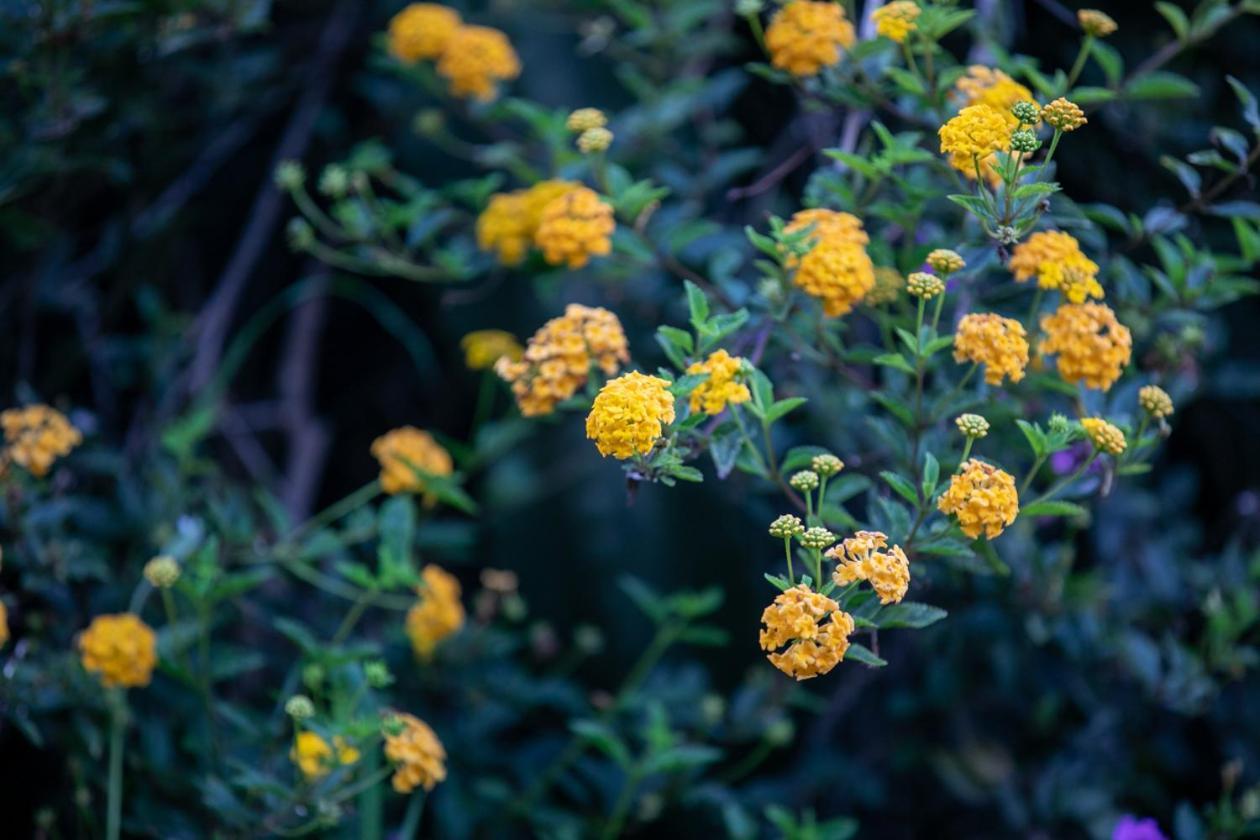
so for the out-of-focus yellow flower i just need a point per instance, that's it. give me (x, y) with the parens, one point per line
(1105, 437)
(1064, 115)
(837, 269)
(37, 435)
(559, 356)
(509, 221)
(476, 60)
(437, 613)
(721, 388)
(314, 757)
(861, 557)
(827, 226)
(812, 626)
(418, 756)
(1056, 260)
(1000, 344)
(4, 624)
(575, 227)
(1091, 345)
(1155, 401)
(120, 648)
(887, 288)
(629, 415)
(805, 36)
(896, 20)
(989, 86)
(162, 572)
(976, 132)
(584, 119)
(982, 497)
(1096, 23)
(482, 348)
(945, 262)
(404, 450)
(422, 31)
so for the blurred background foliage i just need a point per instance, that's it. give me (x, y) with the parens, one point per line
(143, 236)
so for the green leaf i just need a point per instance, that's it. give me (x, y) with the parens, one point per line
(603, 738)
(903, 488)
(782, 407)
(1092, 95)
(909, 614)
(1176, 18)
(652, 605)
(1161, 85)
(1036, 437)
(1053, 508)
(686, 473)
(931, 474)
(697, 304)
(985, 550)
(863, 654)
(894, 360)
(1250, 109)
(780, 583)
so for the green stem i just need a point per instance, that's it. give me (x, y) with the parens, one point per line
(787, 552)
(966, 450)
(1035, 307)
(621, 809)
(338, 509)
(1066, 482)
(754, 23)
(485, 398)
(117, 743)
(351, 618)
(1054, 144)
(1079, 64)
(371, 816)
(411, 820)
(748, 763)
(1032, 473)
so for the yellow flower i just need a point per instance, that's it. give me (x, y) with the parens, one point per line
(162, 572)
(476, 59)
(920, 284)
(1056, 260)
(806, 36)
(896, 20)
(584, 119)
(629, 415)
(1105, 437)
(401, 452)
(827, 225)
(982, 497)
(121, 648)
(421, 31)
(1064, 115)
(575, 227)
(314, 757)
(1076, 277)
(975, 133)
(838, 273)
(437, 613)
(860, 558)
(594, 140)
(418, 756)
(945, 261)
(998, 343)
(1155, 401)
(509, 221)
(4, 624)
(1096, 23)
(482, 348)
(887, 288)
(1091, 345)
(988, 86)
(559, 357)
(812, 626)
(721, 388)
(37, 435)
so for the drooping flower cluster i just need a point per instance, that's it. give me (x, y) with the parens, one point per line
(1155, 401)
(805, 36)
(973, 138)
(405, 452)
(896, 20)
(1056, 260)
(837, 269)
(437, 613)
(990, 86)
(575, 227)
(509, 223)
(315, 757)
(36, 436)
(722, 388)
(812, 626)
(413, 748)
(629, 415)
(473, 59)
(1090, 344)
(1000, 344)
(1105, 437)
(861, 557)
(421, 31)
(559, 356)
(120, 648)
(982, 497)
(482, 348)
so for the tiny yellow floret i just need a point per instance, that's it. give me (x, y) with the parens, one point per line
(314, 757)
(861, 557)
(1155, 401)
(482, 348)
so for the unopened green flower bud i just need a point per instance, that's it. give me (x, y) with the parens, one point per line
(1058, 423)
(1007, 235)
(290, 175)
(712, 708)
(429, 122)
(826, 465)
(749, 8)
(972, 425)
(301, 234)
(514, 607)
(1026, 112)
(313, 676)
(804, 481)
(588, 639)
(162, 572)
(392, 726)
(594, 140)
(920, 284)
(377, 674)
(781, 732)
(328, 812)
(1024, 141)
(945, 262)
(584, 119)
(786, 526)
(299, 707)
(334, 182)
(819, 538)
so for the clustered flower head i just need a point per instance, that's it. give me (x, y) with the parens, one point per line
(826, 464)
(1155, 401)
(314, 756)
(162, 572)
(837, 269)
(805, 36)
(1056, 260)
(120, 648)
(1091, 345)
(299, 707)
(1063, 115)
(1000, 344)
(438, 612)
(476, 59)
(722, 387)
(982, 497)
(1026, 111)
(404, 451)
(629, 415)
(812, 626)
(482, 348)
(945, 262)
(1105, 437)
(1096, 23)
(421, 31)
(861, 557)
(786, 526)
(973, 137)
(36, 436)
(418, 756)
(509, 223)
(920, 284)
(989, 86)
(972, 425)
(575, 227)
(817, 538)
(1025, 141)
(804, 481)
(584, 119)
(888, 285)
(896, 20)
(558, 358)
(594, 140)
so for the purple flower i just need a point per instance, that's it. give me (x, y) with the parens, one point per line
(1067, 460)
(1131, 828)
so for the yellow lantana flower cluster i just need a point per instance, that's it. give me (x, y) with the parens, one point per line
(36, 436)
(403, 451)
(1056, 260)
(418, 756)
(837, 269)
(437, 613)
(510, 221)
(812, 626)
(973, 138)
(1000, 344)
(1091, 345)
(629, 415)
(482, 348)
(575, 227)
(558, 358)
(1096, 23)
(861, 557)
(1063, 114)
(1155, 401)
(120, 648)
(896, 20)
(472, 59)
(722, 388)
(314, 756)
(982, 497)
(989, 86)
(1105, 437)
(805, 36)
